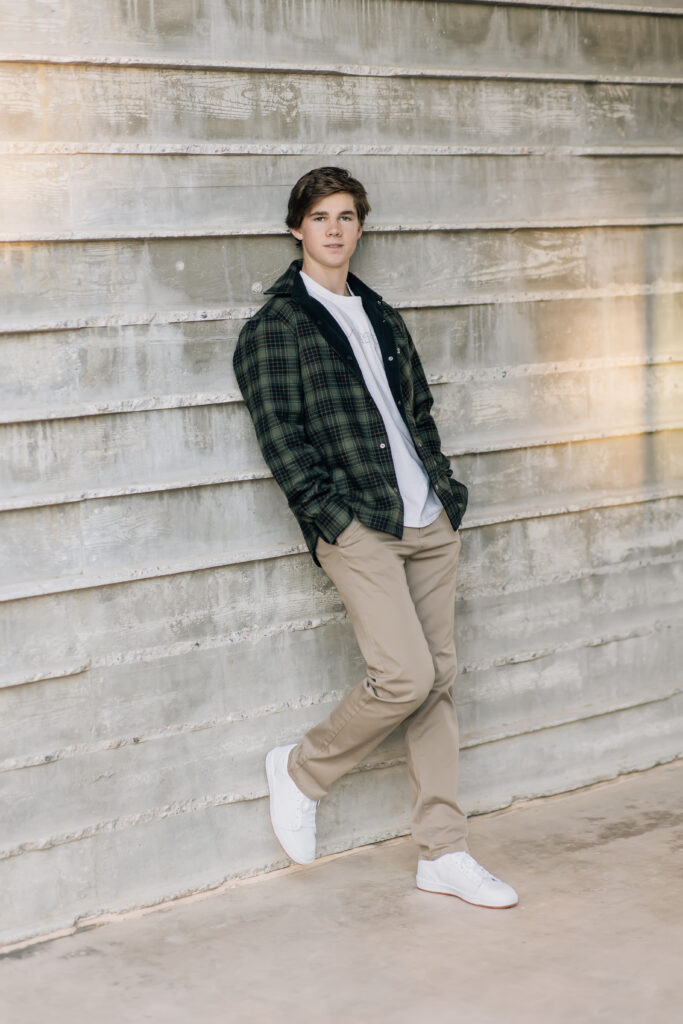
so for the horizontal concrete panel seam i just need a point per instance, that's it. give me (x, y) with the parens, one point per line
(589, 572)
(594, 711)
(130, 821)
(49, 500)
(512, 370)
(132, 405)
(192, 806)
(183, 647)
(378, 229)
(66, 147)
(66, 671)
(340, 69)
(244, 312)
(658, 625)
(587, 5)
(202, 398)
(484, 447)
(197, 804)
(596, 502)
(68, 584)
(181, 729)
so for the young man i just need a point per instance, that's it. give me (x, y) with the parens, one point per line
(341, 409)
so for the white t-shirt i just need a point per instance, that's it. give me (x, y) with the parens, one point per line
(421, 506)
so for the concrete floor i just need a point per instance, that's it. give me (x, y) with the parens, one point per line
(597, 936)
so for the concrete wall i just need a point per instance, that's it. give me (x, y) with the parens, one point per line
(161, 624)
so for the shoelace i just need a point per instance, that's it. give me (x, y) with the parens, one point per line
(305, 812)
(473, 868)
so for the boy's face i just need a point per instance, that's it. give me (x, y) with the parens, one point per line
(330, 230)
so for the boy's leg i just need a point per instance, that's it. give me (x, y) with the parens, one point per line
(367, 568)
(432, 741)
(371, 571)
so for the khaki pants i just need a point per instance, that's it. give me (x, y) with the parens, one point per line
(400, 597)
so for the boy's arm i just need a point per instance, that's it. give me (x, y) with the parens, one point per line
(267, 368)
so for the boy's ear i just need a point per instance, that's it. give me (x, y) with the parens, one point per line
(297, 234)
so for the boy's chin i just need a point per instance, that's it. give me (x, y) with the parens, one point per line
(334, 257)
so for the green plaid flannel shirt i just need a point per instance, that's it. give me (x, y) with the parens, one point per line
(319, 430)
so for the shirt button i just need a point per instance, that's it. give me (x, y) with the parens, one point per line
(391, 359)
(382, 445)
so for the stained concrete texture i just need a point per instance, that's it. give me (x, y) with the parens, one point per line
(597, 935)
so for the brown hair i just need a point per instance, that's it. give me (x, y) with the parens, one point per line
(321, 182)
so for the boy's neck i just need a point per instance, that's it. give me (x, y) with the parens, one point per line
(332, 278)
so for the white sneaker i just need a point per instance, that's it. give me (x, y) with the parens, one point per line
(292, 813)
(459, 874)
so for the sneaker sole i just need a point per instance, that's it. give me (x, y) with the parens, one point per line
(452, 892)
(269, 774)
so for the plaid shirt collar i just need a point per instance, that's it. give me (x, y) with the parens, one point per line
(290, 283)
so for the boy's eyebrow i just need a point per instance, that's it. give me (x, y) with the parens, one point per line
(316, 213)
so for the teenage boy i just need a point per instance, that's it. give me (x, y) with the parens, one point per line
(341, 408)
